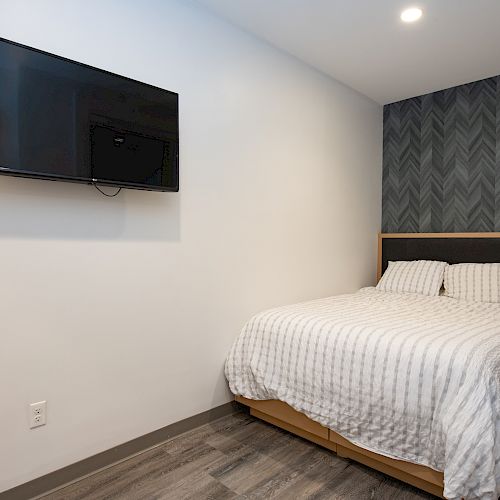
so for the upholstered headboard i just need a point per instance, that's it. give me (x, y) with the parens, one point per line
(453, 248)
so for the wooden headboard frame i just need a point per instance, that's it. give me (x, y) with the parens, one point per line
(467, 247)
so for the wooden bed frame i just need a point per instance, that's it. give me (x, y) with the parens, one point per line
(284, 416)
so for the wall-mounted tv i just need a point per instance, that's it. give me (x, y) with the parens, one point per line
(62, 120)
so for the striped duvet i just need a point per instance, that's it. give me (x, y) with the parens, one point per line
(404, 375)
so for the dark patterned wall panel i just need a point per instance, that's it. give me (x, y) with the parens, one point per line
(390, 176)
(442, 161)
(409, 165)
(497, 166)
(430, 208)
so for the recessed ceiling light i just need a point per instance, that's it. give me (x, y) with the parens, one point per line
(411, 15)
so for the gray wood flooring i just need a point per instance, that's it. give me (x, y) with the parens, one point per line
(238, 457)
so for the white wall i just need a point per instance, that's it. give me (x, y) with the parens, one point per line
(119, 312)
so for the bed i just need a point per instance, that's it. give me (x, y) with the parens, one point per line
(404, 383)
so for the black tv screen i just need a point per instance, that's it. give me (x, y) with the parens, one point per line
(62, 120)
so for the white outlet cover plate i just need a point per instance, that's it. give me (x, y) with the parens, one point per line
(38, 414)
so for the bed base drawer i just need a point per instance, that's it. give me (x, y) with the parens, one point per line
(284, 416)
(349, 450)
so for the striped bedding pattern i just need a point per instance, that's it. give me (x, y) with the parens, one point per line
(418, 276)
(405, 375)
(477, 282)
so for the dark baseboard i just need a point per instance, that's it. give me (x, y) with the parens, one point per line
(87, 466)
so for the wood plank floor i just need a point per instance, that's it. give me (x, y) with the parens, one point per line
(237, 457)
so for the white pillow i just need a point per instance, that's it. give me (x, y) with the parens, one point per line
(417, 276)
(474, 282)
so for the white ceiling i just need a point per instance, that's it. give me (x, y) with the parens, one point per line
(363, 43)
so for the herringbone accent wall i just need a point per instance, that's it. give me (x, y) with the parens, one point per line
(442, 161)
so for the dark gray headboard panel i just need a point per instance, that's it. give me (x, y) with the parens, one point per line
(447, 249)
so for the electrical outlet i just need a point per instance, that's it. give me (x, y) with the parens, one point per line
(38, 414)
